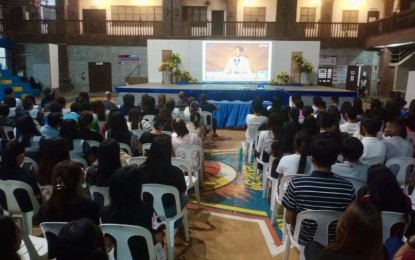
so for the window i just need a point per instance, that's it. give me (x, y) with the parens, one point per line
(136, 13)
(254, 14)
(194, 14)
(350, 16)
(308, 14)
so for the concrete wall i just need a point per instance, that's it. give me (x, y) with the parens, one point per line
(79, 56)
(37, 63)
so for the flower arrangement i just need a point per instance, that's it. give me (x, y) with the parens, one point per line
(172, 63)
(282, 77)
(304, 66)
(186, 77)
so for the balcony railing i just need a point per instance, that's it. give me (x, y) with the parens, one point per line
(397, 21)
(316, 30)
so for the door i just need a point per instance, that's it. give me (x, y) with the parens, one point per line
(218, 20)
(100, 79)
(365, 78)
(94, 21)
(352, 78)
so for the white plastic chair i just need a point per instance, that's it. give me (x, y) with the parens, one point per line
(50, 231)
(19, 202)
(323, 218)
(126, 148)
(251, 134)
(137, 160)
(31, 163)
(97, 192)
(389, 219)
(145, 147)
(46, 191)
(207, 117)
(268, 177)
(93, 143)
(8, 130)
(80, 161)
(259, 160)
(138, 132)
(281, 185)
(157, 191)
(358, 186)
(122, 233)
(188, 149)
(404, 165)
(149, 118)
(192, 181)
(27, 247)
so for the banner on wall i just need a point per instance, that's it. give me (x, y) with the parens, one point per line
(328, 60)
(339, 75)
(123, 58)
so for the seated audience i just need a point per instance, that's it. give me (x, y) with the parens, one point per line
(181, 136)
(351, 168)
(77, 146)
(5, 120)
(167, 119)
(256, 119)
(171, 105)
(148, 137)
(10, 239)
(385, 193)
(158, 169)
(134, 119)
(11, 168)
(107, 163)
(206, 106)
(68, 200)
(128, 103)
(289, 129)
(161, 101)
(126, 206)
(74, 114)
(85, 121)
(108, 101)
(62, 101)
(52, 152)
(28, 135)
(81, 239)
(275, 124)
(328, 191)
(374, 150)
(358, 236)
(395, 143)
(351, 125)
(28, 108)
(118, 130)
(194, 125)
(182, 103)
(150, 107)
(51, 128)
(407, 251)
(297, 163)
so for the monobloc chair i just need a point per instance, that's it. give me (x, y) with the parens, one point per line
(145, 148)
(138, 132)
(122, 234)
(189, 150)
(126, 148)
(169, 133)
(359, 187)
(17, 200)
(402, 167)
(30, 164)
(260, 160)
(92, 143)
(251, 135)
(30, 248)
(137, 160)
(50, 231)
(10, 132)
(323, 218)
(100, 195)
(207, 117)
(192, 181)
(157, 191)
(80, 161)
(389, 219)
(149, 118)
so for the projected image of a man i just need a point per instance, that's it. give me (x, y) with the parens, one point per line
(238, 64)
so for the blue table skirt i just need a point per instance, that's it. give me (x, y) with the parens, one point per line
(233, 113)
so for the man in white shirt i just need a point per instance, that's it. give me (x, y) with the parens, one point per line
(351, 168)
(396, 146)
(374, 150)
(255, 120)
(238, 63)
(351, 125)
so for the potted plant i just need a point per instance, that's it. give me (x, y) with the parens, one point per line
(305, 68)
(167, 67)
(281, 78)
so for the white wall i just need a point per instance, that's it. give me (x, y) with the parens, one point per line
(54, 65)
(410, 87)
(191, 54)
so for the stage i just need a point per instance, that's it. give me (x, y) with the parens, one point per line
(235, 94)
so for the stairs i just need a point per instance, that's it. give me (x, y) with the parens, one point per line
(21, 88)
(401, 54)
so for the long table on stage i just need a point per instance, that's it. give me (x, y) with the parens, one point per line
(233, 113)
(234, 99)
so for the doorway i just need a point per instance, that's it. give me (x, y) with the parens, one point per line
(100, 77)
(218, 21)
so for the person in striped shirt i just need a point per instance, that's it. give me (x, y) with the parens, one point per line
(319, 191)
